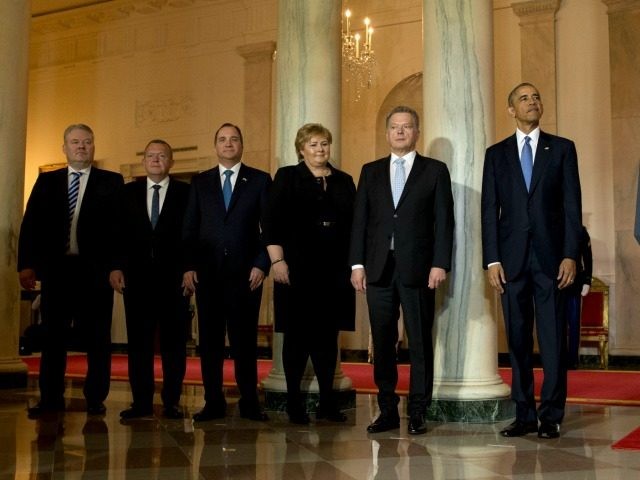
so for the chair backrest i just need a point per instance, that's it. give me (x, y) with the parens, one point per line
(595, 306)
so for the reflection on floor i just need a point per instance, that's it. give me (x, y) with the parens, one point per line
(73, 445)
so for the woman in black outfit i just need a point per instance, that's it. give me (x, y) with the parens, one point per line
(307, 230)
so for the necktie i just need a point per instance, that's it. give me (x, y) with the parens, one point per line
(398, 180)
(155, 205)
(74, 188)
(526, 159)
(226, 188)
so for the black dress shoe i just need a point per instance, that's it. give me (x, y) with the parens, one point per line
(209, 413)
(384, 423)
(172, 412)
(519, 429)
(299, 417)
(331, 414)
(254, 414)
(42, 408)
(135, 412)
(549, 430)
(96, 408)
(416, 424)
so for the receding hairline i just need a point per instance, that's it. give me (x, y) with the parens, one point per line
(227, 124)
(76, 126)
(159, 141)
(403, 109)
(513, 92)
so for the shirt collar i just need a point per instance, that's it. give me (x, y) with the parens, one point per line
(235, 168)
(163, 183)
(534, 135)
(409, 158)
(84, 171)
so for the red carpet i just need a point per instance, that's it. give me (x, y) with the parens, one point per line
(630, 442)
(585, 386)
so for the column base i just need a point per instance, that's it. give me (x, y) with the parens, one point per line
(471, 411)
(13, 373)
(276, 400)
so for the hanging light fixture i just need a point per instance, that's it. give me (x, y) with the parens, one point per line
(357, 54)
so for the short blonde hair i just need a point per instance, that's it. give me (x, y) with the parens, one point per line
(306, 132)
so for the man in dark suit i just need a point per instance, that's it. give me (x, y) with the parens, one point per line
(147, 269)
(531, 230)
(401, 244)
(226, 264)
(63, 240)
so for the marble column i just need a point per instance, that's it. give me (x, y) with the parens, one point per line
(458, 126)
(624, 51)
(538, 52)
(308, 66)
(14, 50)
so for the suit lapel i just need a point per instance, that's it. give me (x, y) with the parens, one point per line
(513, 161)
(385, 180)
(216, 189)
(141, 202)
(418, 167)
(239, 187)
(543, 155)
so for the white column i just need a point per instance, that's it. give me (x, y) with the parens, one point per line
(15, 18)
(458, 125)
(308, 66)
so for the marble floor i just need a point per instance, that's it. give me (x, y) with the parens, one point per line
(73, 445)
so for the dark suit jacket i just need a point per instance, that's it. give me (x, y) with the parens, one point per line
(213, 234)
(45, 225)
(549, 215)
(422, 224)
(313, 226)
(139, 250)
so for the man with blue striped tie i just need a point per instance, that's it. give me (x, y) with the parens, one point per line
(63, 240)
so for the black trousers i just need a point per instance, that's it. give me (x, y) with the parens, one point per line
(534, 294)
(226, 305)
(76, 294)
(418, 303)
(302, 342)
(155, 306)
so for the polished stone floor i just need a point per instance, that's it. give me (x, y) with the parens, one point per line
(74, 446)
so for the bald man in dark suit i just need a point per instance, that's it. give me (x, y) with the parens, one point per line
(531, 230)
(63, 240)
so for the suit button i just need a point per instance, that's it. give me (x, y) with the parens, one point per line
(395, 215)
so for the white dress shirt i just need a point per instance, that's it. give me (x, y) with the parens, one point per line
(84, 178)
(164, 185)
(234, 177)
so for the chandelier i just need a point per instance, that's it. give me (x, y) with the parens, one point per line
(357, 55)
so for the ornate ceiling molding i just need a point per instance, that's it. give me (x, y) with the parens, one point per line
(616, 6)
(107, 12)
(535, 7)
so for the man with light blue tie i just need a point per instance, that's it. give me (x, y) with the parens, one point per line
(531, 230)
(226, 263)
(401, 244)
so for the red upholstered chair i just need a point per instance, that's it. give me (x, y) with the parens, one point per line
(594, 319)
